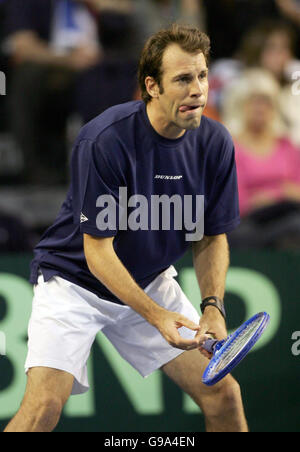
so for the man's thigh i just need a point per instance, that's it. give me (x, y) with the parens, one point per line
(186, 371)
(46, 383)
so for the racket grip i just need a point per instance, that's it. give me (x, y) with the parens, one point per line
(210, 345)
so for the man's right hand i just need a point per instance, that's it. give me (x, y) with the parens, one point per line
(168, 324)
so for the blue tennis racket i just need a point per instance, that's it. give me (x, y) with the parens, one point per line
(227, 354)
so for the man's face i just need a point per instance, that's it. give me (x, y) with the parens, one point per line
(183, 91)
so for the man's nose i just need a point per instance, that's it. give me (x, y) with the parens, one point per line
(196, 89)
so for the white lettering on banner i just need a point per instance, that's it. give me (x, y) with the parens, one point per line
(296, 345)
(2, 344)
(296, 84)
(2, 84)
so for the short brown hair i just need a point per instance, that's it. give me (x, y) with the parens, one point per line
(189, 39)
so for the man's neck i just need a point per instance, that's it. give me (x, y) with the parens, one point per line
(161, 125)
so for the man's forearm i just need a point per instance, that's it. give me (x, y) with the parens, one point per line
(211, 262)
(107, 268)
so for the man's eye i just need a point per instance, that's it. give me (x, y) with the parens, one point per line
(184, 79)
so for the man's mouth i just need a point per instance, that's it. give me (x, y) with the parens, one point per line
(189, 108)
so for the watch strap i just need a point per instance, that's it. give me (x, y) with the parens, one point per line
(213, 301)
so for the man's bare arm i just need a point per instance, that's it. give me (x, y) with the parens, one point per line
(105, 265)
(211, 262)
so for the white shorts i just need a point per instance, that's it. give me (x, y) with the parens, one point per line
(66, 318)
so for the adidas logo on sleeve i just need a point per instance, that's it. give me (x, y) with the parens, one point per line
(83, 218)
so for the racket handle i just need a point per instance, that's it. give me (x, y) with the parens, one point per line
(210, 345)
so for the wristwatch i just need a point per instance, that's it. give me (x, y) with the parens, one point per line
(213, 301)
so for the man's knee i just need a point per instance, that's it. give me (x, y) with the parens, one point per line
(223, 397)
(49, 403)
(46, 394)
(38, 413)
(45, 408)
(230, 392)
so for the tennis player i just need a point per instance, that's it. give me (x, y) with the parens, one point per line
(104, 266)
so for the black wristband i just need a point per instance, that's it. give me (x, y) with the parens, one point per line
(213, 301)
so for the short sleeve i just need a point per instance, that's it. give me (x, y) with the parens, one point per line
(96, 181)
(222, 207)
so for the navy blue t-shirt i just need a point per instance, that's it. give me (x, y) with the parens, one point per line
(120, 150)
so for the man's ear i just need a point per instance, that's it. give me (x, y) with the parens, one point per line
(152, 87)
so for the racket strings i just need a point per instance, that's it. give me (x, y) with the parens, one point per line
(234, 348)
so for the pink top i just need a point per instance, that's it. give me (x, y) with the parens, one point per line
(266, 174)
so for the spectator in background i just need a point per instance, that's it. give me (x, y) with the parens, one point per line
(114, 80)
(75, 55)
(49, 41)
(268, 164)
(116, 27)
(271, 46)
(161, 13)
(152, 15)
(229, 20)
(291, 9)
(124, 25)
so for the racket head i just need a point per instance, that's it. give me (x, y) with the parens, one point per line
(215, 371)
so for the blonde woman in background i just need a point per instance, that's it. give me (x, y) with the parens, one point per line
(268, 163)
(270, 45)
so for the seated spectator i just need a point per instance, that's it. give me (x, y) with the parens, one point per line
(49, 43)
(268, 164)
(124, 25)
(291, 9)
(114, 80)
(229, 20)
(162, 13)
(270, 45)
